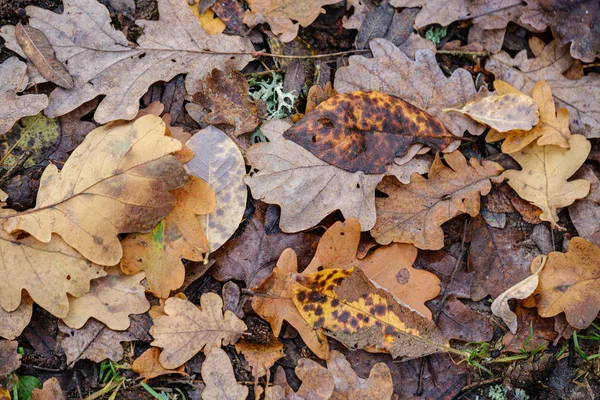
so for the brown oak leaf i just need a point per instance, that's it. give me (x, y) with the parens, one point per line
(10, 359)
(218, 376)
(12, 323)
(51, 390)
(148, 365)
(260, 356)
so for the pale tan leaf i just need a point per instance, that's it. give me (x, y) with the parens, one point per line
(51, 390)
(418, 165)
(317, 383)
(12, 323)
(10, 359)
(217, 374)
(349, 386)
(116, 181)
(148, 365)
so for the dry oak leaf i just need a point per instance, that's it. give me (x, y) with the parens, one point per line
(280, 13)
(148, 365)
(317, 383)
(585, 213)
(116, 181)
(503, 112)
(51, 390)
(10, 359)
(103, 62)
(13, 79)
(218, 376)
(365, 131)
(529, 320)
(111, 300)
(543, 180)
(361, 316)
(569, 284)
(414, 213)
(278, 305)
(260, 356)
(47, 271)
(226, 94)
(218, 161)
(159, 253)
(306, 188)
(12, 323)
(421, 83)
(436, 12)
(186, 329)
(581, 98)
(390, 267)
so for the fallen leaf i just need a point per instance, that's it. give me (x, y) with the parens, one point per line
(51, 390)
(543, 179)
(186, 329)
(261, 357)
(13, 79)
(365, 131)
(522, 290)
(461, 322)
(277, 306)
(306, 188)
(317, 383)
(355, 312)
(318, 94)
(123, 73)
(390, 267)
(159, 253)
(74, 128)
(347, 384)
(435, 13)
(529, 321)
(585, 213)
(226, 94)
(503, 112)
(10, 359)
(569, 284)
(360, 11)
(414, 213)
(12, 323)
(39, 50)
(219, 163)
(217, 375)
(122, 169)
(420, 164)
(207, 19)
(148, 365)
(421, 83)
(280, 13)
(111, 300)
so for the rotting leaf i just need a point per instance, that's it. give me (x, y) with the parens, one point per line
(148, 365)
(124, 170)
(365, 131)
(585, 213)
(218, 376)
(414, 213)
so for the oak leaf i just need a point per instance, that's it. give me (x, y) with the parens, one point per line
(533, 331)
(102, 61)
(317, 383)
(116, 181)
(51, 390)
(12, 323)
(260, 356)
(414, 213)
(390, 267)
(355, 312)
(10, 359)
(159, 253)
(218, 376)
(218, 161)
(459, 321)
(13, 79)
(280, 13)
(585, 213)
(111, 300)
(278, 305)
(306, 188)
(569, 284)
(148, 365)
(365, 131)
(543, 180)
(186, 329)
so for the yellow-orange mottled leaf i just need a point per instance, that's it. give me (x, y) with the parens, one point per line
(148, 365)
(358, 314)
(260, 356)
(160, 252)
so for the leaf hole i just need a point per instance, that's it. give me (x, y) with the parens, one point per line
(142, 56)
(314, 139)
(68, 277)
(358, 185)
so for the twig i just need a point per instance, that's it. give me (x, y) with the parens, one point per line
(43, 368)
(591, 65)
(20, 161)
(466, 388)
(463, 53)
(270, 71)
(251, 293)
(76, 377)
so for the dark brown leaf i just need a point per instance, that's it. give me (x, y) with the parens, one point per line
(529, 321)
(461, 322)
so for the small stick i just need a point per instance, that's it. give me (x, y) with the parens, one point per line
(463, 53)
(480, 383)
(20, 161)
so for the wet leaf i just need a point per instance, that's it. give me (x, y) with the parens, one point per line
(51, 390)
(10, 359)
(365, 131)
(260, 356)
(12, 323)
(148, 365)
(217, 374)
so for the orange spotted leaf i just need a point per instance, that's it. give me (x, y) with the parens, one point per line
(365, 131)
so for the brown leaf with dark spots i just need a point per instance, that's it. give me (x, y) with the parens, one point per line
(39, 50)
(365, 131)
(10, 359)
(226, 95)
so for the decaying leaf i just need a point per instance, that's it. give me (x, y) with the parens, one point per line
(503, 112)
(389, 267)
(111, 300)
(414, 213)
(543, 180)
(159, 253)
(218, 161)
(102, 62)
(116, 181)
(12, 323)
(278, 306)
(569, 284)
(459, 321)
(260, 356)
(317, 383)
(51, 390)
(533, 331)
(421, 83)
(217, 374)
(10, 359)
(280, 13)
(148, 365)
(365, 131)
(306, 188)
(585, 213)
(13, 79)
(355, 312)
(39, 50)
(186, 329)
(520, 291)
(226, 95)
